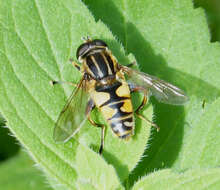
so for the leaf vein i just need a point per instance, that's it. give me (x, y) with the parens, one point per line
(47, 36)
(39, 139)
(47, 115)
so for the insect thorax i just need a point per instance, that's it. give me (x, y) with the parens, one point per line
(100, 64)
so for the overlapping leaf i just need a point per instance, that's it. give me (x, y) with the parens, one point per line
(169, 180)
(21, 174)
(37, 38)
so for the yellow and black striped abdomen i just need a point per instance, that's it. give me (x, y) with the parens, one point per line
(114, 101)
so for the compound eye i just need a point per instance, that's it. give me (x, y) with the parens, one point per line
(81, 49)
(99, 43)
(85, 47)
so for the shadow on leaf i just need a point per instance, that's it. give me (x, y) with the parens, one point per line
(164, 146)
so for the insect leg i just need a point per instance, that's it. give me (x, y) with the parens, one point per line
(65, 82)
(54, 82)
(102, 133)
(131, 64)
(135, 88)
(144, 101)
(75, 64)
(89, 108)
(148, 121)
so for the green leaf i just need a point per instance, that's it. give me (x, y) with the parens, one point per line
(37, 38)
(19, 173)
(92, 175)
(192, 179)
(171, 40)
(202, 142)
(212, 9)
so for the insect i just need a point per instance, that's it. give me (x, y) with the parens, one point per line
(103, 85)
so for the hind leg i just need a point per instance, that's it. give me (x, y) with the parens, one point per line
(144, 101)
(90, 107)
(102, 133)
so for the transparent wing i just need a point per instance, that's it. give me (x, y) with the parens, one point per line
(163, 91)
(72, 117)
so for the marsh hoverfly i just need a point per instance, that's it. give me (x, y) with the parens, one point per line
(103, 85)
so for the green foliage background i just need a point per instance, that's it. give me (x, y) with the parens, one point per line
(168, 39)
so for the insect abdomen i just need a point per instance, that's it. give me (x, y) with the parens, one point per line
(114, 101)
(122, 121)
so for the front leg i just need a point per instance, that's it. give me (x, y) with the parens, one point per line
(75, 64)
(53, 82)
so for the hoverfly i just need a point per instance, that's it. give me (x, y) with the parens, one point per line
(103, 85)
